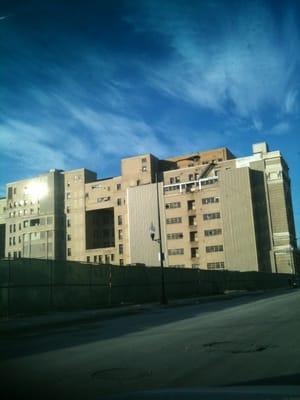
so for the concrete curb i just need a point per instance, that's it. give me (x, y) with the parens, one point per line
(22, 325)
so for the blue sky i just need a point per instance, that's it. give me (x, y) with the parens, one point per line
(85, 83)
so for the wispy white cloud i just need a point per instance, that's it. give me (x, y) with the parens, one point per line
(117, 134)
(223, 61)
(40, 147)
(281, 128)
(257, 123)
(291, 104)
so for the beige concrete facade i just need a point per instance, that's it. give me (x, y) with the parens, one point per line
(217, 212)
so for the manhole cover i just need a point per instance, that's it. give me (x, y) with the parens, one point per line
(121, 374)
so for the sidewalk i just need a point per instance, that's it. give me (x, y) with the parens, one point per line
(20, 325)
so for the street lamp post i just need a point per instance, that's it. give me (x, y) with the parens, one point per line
(163, 297)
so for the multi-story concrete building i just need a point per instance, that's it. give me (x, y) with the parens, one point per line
(34, 217)
(2, 226)
(216, 211)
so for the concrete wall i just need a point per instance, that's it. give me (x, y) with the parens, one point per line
(37, 286)
(238, 222)
(142, 213)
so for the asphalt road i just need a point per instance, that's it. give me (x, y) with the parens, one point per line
(251, 340)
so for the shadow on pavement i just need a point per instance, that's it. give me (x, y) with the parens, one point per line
(76, 333)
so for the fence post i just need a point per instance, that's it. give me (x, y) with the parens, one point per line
(109, 286)
(8, 288)
(50, 283)
(90, 286)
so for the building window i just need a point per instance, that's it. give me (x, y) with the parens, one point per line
(68, 210)
(191, 205)
(9, 193)
(35, 222)
(119, 219)
(175, 179)
(215, 215)
(100, 259)
(101, 199)
(120, 234)
(35, 236)
(171, 236)
(19, 254)
(144, 160)
(176, 265)
(175, 252)
(214, 249)
(112, 257)
(88, 259)
(68, 195)
(209, 200)
(192, 220)
(68, 222)
(176, 220)
(106, 259)
(176, 204)
(215, 265)
(15, 190)
(10, 228)
(121, 249)
(171, 188)
(69, 251)
(68, 237)
(10, 241)
(119, 202)
(144, 168)
(20, 226)
(121, 261)
(193, 236)
(20, 239)
(212, 232)
(25, 224)
(209, 182)
(194, 252)
(14, 240)
(118, 186)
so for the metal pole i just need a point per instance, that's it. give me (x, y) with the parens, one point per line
(163, 298)
(8, 287)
